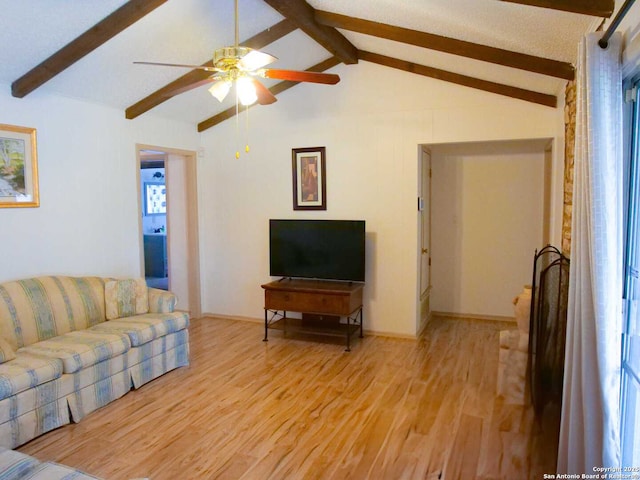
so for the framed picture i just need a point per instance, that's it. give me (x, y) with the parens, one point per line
(309, 178)
(155, 198)
(18, 167)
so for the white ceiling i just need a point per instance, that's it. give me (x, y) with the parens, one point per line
(188, 31)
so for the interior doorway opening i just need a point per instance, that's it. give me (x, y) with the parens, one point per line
(169, 239)
(491, 205)
(154, 218)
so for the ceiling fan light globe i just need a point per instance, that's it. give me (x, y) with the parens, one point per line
(254, 60)
(220, 89)
(246, 91)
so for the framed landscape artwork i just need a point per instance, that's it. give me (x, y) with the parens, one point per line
(18, 167)
(309, 178)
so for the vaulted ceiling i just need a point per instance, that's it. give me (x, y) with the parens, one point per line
(86, 48)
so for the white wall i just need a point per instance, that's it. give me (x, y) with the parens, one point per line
(87, 222)
(487, 214)
(371, 125)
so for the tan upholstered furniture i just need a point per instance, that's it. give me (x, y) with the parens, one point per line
(61, 357)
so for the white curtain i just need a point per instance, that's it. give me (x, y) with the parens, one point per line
(589, 431)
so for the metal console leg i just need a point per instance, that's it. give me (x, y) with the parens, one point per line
(348, 349)
(266, 326)
(284, 324)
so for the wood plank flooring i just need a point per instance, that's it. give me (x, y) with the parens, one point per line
(293, 409)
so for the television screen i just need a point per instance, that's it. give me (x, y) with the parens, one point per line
(320, 249)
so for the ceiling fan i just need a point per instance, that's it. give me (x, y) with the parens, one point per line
(241, 66)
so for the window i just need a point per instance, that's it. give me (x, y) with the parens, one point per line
(155, 198)
(630, 400)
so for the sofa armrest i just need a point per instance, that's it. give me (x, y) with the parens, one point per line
(161, 301)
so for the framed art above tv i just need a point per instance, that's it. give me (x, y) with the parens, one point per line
(309, 178)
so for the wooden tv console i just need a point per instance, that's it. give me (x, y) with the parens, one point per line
(322, 303)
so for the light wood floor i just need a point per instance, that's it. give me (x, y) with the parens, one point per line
(292, 409)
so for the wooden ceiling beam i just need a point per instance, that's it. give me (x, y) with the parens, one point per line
(596, 8)
(453, 46)
(110, 26)
(195, 76)
(303, 15)
(500, 89)
(276, 89)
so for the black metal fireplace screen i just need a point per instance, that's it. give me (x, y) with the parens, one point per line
(547, 327)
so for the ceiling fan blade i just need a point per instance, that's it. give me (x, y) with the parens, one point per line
(297, 76)
(208, 69)
(265, 97)
(254, 60)
(191, 86)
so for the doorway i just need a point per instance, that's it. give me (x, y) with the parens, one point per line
(490, 204)
(169, 223)
(154, 218)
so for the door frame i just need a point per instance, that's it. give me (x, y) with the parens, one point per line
(193, 258)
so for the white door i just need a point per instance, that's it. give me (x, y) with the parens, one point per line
(425, 236)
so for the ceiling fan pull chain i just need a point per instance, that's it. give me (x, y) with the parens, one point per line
(246, 109)
(237, 140)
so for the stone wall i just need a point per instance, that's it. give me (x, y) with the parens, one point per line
(569, 144)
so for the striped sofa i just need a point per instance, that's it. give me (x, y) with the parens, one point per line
(70, 345)
(18, 466)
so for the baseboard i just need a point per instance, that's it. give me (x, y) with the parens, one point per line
(473, 316)
(213, 316)
(451, 315)
(401, 336)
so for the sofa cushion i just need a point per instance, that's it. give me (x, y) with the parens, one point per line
(6, 351)
(124, 298)
(25, 372)
(36, 309)
(142, 329)
(15, 465)
(161, 301)
(81, 349)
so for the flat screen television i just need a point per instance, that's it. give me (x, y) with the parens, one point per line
(318, 249)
